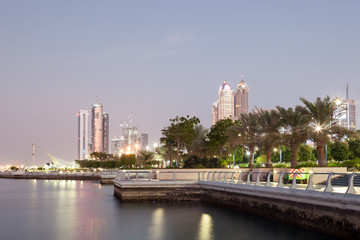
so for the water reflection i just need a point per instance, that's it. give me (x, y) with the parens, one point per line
(53, 209)
(156, 228)
(206, 227)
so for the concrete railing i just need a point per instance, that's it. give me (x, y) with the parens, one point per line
(243, 178)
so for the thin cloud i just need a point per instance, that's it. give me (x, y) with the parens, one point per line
(178, 39)
(169, 46)
(155, 54)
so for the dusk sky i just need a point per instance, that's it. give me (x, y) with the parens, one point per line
(159, 59)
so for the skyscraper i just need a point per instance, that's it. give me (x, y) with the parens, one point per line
(144, 140)
(347, 117)
(215, 112)
(241, 98)
(115, 146)
(105, 133)
(97, 127)
(230, 105)
(225, 103)
(83, 134)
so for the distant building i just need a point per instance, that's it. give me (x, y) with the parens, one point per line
(105, 133)
(144, 140)
(83, 134)
(131, 136)
(215, 112)
(115, 146)
(347, 116)
(97, 128)
(241, 99)
(230, 105)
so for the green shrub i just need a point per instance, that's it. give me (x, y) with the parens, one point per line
(281, 165)
(334, 164)
(261, 159)
(307, 164)
(354, 163)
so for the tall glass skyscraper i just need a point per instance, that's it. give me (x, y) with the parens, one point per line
(106, 133)
(224, 107)
(83, 134)
(97, 128)
(241, 98)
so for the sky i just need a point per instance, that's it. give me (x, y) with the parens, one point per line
(160, 59)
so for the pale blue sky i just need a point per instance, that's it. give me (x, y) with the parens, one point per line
(159, 59)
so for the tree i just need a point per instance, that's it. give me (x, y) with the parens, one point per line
(339, 151)
(250, 132)
(321, 121)
(269, 122)
(304, 153)
(144, 157)
(354, 147)
(295, 125)
(235, 141)
(199, 146)
(181, 132)
(217, 137)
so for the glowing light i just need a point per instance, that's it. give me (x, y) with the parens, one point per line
(147, 148)
(206, 227)
(338, 101)
(248, 153)
(318, 128)
(275, 149)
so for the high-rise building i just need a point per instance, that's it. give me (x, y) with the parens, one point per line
(131, 136)
(230, 105)
(115, 146)
(241, 98)
(97, 128)
(215, 112)
(83, 134)
(224, 107)
(144, 140)
(105, 140)
(347, 116)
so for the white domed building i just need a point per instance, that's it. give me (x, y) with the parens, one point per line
(224, 107)
(230, 104)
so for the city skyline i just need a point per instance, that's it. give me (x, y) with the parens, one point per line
(57, 57)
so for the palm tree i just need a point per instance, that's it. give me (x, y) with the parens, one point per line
(322, 124)
(269, 122)
(144, 157)
(198, 146)
(295, 125)
(250, 133)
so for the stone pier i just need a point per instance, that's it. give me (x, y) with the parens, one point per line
(332, 214)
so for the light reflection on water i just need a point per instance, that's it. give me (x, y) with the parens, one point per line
(156, 228)
(60, 209)
(206, 227)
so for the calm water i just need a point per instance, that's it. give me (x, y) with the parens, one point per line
(59, 209)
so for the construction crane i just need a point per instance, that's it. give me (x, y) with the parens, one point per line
(127, 122)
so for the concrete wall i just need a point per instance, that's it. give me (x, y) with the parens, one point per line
(329, 213)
